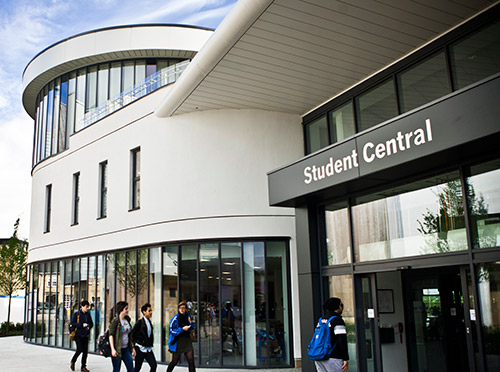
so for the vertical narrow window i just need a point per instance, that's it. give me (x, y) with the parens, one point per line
(103, 189)
(48, 208)
(127, 75)
(55, 123)
(135, 197)
(115, 80)
(80, 98)
(71, 105)
(102, 84)
(49, 122)
(317, 134)
(76, 198)
(91, 91)
(63, 111)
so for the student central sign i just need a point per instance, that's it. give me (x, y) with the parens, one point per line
(401, 141)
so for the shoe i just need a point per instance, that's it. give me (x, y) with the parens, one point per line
(84, 369)
(72, 366)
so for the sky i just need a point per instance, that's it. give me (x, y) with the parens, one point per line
(29, 26)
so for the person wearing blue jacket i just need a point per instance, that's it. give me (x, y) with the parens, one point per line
(82, 321)
(179, 340)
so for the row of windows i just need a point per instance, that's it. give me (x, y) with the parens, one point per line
(63, 104)
(102, 209)
(453, 67)
(434, 215)
(237, 292)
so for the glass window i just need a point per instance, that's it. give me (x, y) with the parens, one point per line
(71, 106)
(188, 288)
(68, 300)
(142, 280)
(421, 218)
(135, 197)
(317, 135)
(63, 108)
(48, 207)
(103, 189)
(140, 71)
(80, 99)
(110, 299)
(49, 123)
(91, 298)
(121, 278)
(100, 296)
(75, 291)
(376, 106)
(341, 286)
(53, 303)
(102, 84)
(155, 293)
(337, 234)
(423, 83)
(488, 279)
(483, 192)
(342, 123)
(44, 125)
(476, 57)
(57, 107)
(170, 278)
(127, 75)
(115, 80)
(232, 317)
(91, 96)
(76, 199)
(132, 284)
(209, 303)
(61, 315)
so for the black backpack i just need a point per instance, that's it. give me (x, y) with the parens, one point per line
(103, 345)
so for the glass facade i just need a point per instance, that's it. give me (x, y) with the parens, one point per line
(79, 98)
(449, 68)
(237, 293)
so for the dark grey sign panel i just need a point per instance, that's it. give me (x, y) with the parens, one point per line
(456, 120)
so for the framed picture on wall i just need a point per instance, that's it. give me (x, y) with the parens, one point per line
(385, 299)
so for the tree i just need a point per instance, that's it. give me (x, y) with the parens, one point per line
(13, 258)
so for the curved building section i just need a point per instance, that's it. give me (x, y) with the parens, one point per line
(148, 209)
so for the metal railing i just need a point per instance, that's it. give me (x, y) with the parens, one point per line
(153, 82)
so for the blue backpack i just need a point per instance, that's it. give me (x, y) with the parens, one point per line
(321, 346)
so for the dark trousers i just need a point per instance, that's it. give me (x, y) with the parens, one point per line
(139, 359)
(82, 347)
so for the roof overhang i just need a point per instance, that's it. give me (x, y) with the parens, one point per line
(294, 55)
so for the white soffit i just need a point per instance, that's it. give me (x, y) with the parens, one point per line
(297, 54)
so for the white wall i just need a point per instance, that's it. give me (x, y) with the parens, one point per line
(16, 309)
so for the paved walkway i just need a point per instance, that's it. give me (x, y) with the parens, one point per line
(19, 356)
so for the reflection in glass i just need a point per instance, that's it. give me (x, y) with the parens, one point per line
(421, 218)
(342, 123)
(155, 298)
(170, 299)
(423, 83)
(133, 284)
(209, 304)
(102, 84)
(121, 276)
(188, 288)
(80, 99)
(376, 106)
(484, 204)
(70, 129)
(63, 108)
(115, 79)
(127, 75)
(232, 326)
(49, 124)
(140, 70)
(52, 302)
(488, 277)
(337, 234)
(110, 288)
(56, 115)
(317, 135)
(341, 286)
(100, 296)
(142, 280)
(91, 89)
(68, 300)
(476, 57)
(92, 285)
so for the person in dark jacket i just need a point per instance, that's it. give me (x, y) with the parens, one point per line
(122, 348)
(82, 321)
(142, 336)
(338, 360)
(179, 341)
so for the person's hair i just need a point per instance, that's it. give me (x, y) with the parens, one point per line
(182, 303)
(120, 306)
(145, 307)
(84, 303)
(332, 304)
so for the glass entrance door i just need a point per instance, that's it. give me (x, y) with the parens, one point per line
(435, 319)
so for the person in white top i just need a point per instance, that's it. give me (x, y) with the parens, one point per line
(142, 336)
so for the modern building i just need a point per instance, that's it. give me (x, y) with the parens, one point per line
(310, 148)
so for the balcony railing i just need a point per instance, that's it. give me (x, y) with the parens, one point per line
(153, 82)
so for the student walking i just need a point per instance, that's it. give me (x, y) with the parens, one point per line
(179, 341)
(82, 321)
(338, 360)
(122, 348)
(142, 336)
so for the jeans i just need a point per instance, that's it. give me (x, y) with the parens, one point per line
(329, 365)
(82, 347)
(139, 359)
(127, 359)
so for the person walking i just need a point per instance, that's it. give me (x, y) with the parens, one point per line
(338, 360)
(179, 340)
(142, 336)
(82, 321)
(120, 342)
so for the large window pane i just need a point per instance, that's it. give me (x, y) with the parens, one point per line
(376, 106)
(127, 75)
(102, 84)
(342, 123)
(63, 108)
(341, 286)
(337, 234)
(142, 280)
(121, 277)
(99, 315)
(187, 285)
(61, 314)
(209, 303)
(50, 121)
(132, 284)
(52, 301)
(421, 218)
(155, 288)
(44, 124)
(423, 83)
(110, 288)
(71, 105)
(80, 99)
(232, 326)
(68, 300)
(170, 297)
(476, 57)
(91, 298)
(91, 89)
(55, 124)
(484, 204)
(489, 291)
(140, 70)
(317, 135)
(115, 80)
